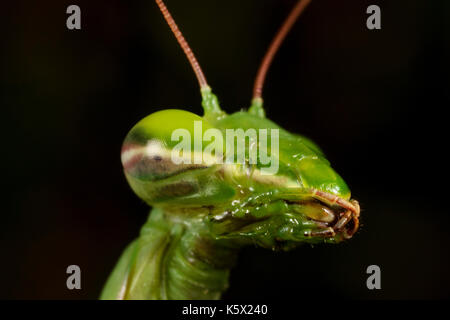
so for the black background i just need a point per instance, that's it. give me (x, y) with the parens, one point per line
(375, 101)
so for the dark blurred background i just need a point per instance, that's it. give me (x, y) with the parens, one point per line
(375, 101)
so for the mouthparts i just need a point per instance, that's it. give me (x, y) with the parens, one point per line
(346, 212)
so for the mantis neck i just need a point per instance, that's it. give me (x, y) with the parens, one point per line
(172, 260)
(196, 266)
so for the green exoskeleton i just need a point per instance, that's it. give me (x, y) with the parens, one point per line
(210, 199)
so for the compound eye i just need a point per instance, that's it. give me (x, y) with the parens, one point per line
(150, 149)
(152, 161)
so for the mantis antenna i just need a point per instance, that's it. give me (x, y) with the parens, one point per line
(257, 101)
(210, 103)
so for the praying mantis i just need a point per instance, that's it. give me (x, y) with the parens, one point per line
(205, 210)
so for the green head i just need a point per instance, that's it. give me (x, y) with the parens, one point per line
(244, 176)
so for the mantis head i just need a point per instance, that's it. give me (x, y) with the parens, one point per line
(181, 162)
